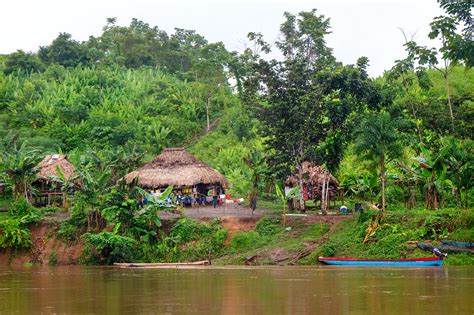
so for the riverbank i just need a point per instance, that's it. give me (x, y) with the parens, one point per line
(246, 239)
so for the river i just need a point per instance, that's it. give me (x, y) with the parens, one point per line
(237, 290)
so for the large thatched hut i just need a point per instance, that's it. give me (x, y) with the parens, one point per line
(48, 187)
(176, 167)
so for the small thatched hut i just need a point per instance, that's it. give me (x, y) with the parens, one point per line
(318, 183)
(48, 187)
(183, 171)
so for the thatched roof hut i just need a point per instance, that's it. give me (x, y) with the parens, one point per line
(50, 191)
(48, 167)
(315, 176)
(176, 167)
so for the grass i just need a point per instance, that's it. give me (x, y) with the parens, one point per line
(396, 237)
(280, 247)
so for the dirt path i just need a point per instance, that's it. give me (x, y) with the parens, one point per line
(208, 212)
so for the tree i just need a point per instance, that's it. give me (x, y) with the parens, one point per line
(64, 51)
(461, 44)
(305, 100)
(409, 81)
(455, 47)
(20, 60)
(378, 138)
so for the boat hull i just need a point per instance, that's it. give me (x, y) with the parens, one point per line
(406, 262)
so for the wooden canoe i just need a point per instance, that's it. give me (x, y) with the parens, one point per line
(377, 262)
(162, 265)
(459, 244)
(445, 248)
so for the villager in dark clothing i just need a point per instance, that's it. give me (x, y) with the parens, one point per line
(214, 197)
(253, 203)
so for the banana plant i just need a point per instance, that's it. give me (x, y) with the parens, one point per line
(294, 193)
(19, 168)
(430, 167)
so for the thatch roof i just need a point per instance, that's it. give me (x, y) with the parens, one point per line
(176, 167)
(49, 166)
(315, 175)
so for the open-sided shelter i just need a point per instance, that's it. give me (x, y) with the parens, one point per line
(180, 169)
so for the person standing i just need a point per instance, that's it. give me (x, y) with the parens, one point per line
(214, 197)
(253, 203)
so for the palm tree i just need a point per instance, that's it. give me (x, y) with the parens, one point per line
(378, 139)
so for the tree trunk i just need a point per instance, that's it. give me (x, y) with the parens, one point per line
(382, 174)
(448, 95)
(301, 184)
(443, 203)
(409, 197)
(207, 114)
(427, 198)
(459, 197)
(323, 194)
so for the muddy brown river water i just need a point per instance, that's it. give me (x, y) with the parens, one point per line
(237, 290)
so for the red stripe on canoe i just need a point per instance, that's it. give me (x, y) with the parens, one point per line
(380, 259)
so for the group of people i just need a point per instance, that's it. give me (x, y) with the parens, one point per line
(189, 197)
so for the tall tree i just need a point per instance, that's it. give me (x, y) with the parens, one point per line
(304, 101)
(456, 47)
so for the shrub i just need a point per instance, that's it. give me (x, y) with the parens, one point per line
(108, 247)
(20, 208)
(70, 229)
(327, 250)
(25, 212)
(186, 230)
(14, 235)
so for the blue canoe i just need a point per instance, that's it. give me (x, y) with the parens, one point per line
(402, 262)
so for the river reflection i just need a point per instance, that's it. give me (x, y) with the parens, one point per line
(238, 290)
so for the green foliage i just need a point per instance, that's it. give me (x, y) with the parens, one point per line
(459, 260)
(268, 227)
(107, 247)
(187, 229)
(18, 167)
(243, 241)
(20, 208)
(21, 61)
(14, 234)
(305, 102)
(189, 240)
